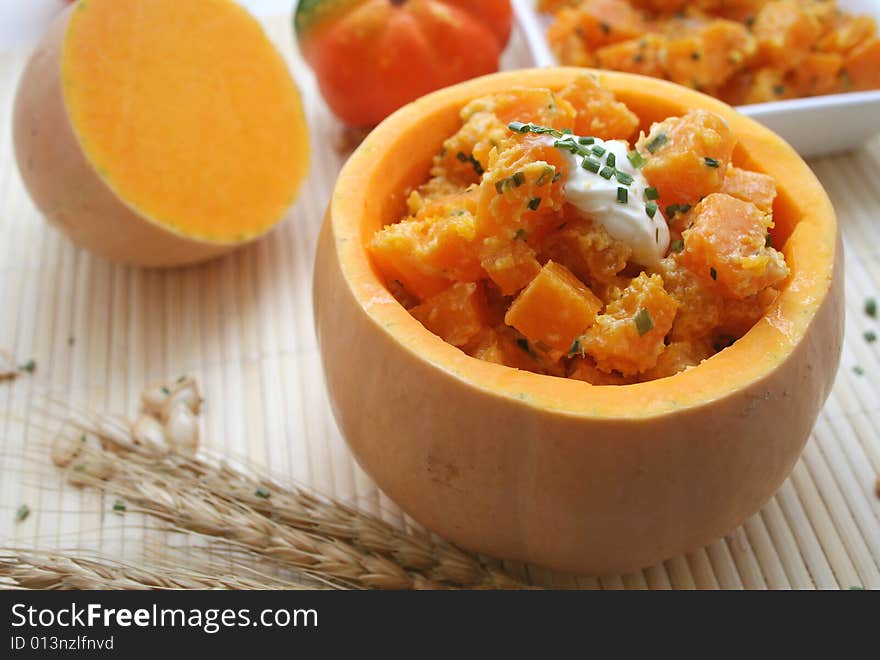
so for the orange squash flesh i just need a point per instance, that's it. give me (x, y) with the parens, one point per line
(580, 477)
(150, 135)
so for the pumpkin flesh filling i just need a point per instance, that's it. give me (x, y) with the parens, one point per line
(552, 237)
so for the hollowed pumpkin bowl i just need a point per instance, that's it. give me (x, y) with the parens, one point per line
(557, 472)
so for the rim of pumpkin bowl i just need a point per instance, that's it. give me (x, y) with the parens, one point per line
(396, 156)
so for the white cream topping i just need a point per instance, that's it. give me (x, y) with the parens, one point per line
(596, 197)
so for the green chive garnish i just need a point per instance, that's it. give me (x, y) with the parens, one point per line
(623, 177)
(518, 179)
(461, 156)
(711, 162)
(657, 142)
(118, 506)
(606, 172)
(611, 160)
(520, 234)
(870, 336)
(644, 322)
(591, 165)
(651, 209)
(677, 246)
(575, 348)
(28, 366)
(534, 203)
(545, 173)
(858, 371)
(587, 140)
(636, 159)
(713, 273)
(871, 308)
(518, 127)
(22, 513)
(622, 195)
(768, 242)
(262, 492)
(651, 193)
(599, 151)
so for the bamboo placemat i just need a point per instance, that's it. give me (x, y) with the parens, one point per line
(243, 326)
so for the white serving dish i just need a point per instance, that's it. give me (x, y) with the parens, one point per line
(814, 126)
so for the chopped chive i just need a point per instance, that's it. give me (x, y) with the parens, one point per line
(605, 27)
(518, 127)
(871, 308)
(685, 208)
(677, 246)
(870, 336)
(644, 322)
(262, 492)
(779, 90)
(622, 195)
(695, 55)
(672, 209)
(165, 390)
(587, 140)
(575, 348)
(119, 506)
(556, 177)
(711, 162)
(22, 513)
(520, 234)
(591, 165)
(657, 142)
(546, 172)
(657, 235)
(635, 159)
(28, 366)
(713, 273)
(596, 149)
(768, 242)
(611, 159)
(651, 193)
(518, 179)
(606, 172)
(478, 168)
(651, 209)
(858, 371)
(461, 156)
(568, 131)
(523, 344)
(623, 177)
(534, 203)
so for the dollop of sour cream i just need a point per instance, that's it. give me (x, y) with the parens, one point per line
(624, 215)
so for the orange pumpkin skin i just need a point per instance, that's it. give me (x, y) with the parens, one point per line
(558, 472)
(370, 57)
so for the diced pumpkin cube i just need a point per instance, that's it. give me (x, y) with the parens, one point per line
(425, 256)
(643, 56)
(599, 114)
(566, 40)
(862, 66)
(457, 315)
(754, 187)
(818, 73)
(587, 250)
(706, 58)
(785, 33)
(847, 32)
(699, 303)
(510, 264)
(506, 346)
(766, 85)
(687, 156)
(603, 22)
(629, 336)
(554, 309)
(536, 105)
(677, 357)
(584, 369)
(523, 185)
(464, 156)
(738, 316)
(727, 244)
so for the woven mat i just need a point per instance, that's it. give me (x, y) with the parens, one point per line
(243, 326)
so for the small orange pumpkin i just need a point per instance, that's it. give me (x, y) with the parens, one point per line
(373, 56)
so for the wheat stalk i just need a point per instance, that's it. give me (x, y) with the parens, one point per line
(289, 525)
(60, 570)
